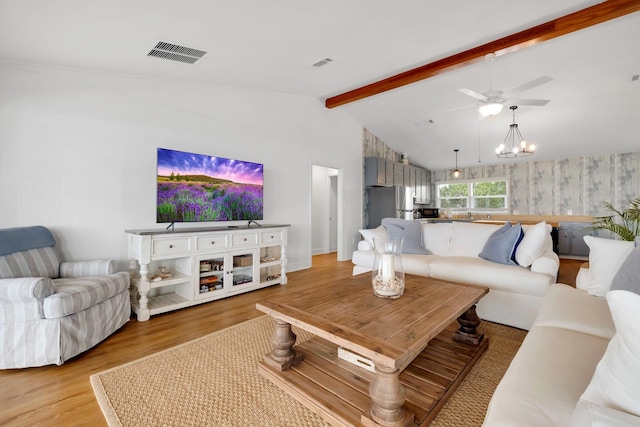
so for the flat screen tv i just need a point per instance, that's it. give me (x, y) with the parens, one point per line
(199, 188)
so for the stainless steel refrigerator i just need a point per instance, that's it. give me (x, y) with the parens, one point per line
(389, 202)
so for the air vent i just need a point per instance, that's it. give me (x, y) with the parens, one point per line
(174, 52)
(325, 61)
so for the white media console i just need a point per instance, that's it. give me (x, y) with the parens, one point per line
(184, 267)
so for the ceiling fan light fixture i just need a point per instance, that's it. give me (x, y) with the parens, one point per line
(490, 109)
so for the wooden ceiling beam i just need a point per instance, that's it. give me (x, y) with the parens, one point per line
(602, 12)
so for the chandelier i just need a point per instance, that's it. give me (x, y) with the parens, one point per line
(514, 144)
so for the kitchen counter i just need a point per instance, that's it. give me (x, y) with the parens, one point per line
(499, 219)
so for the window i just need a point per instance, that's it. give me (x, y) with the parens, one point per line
(477, 195)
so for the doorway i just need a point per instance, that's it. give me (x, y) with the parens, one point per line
(326, 221)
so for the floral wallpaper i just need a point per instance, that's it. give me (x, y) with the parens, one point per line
(554, 187)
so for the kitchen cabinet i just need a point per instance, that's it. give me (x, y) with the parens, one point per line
(386, 173)
(570, 239)
(423, 186)
(378, 171)
(398, 174)
(412, 179)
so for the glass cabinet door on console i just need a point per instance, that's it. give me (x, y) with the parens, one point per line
(211, 274)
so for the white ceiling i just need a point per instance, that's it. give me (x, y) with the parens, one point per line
(271, 45)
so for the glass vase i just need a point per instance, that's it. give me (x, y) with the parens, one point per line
(387, 276)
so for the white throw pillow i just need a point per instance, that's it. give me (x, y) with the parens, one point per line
(374, 233)
(605, 259)
(533, 244)
(616, 382)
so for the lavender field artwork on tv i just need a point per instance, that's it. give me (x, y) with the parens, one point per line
(196, 187)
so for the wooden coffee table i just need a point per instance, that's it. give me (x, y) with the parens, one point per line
(410, 340)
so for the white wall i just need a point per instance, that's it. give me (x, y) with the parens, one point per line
(78, 153)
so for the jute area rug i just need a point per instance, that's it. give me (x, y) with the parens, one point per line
(213, 381)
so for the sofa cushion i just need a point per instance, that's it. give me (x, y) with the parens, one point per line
(437, 237)
(545, 379)
(409, 231)
(589, 414)
(502, 243)
(411, 263)
(564, 306)
(478, 271)
(74, 295)
(616, 382)
(468, 239)
(628, 276)
(533, 243)
(41, 262)
(605, 259)
(374, 233)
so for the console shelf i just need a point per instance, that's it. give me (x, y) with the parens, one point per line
(205, 264)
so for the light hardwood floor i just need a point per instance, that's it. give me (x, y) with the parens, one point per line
(62, 395)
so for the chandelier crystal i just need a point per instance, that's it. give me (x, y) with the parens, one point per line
(514, 144)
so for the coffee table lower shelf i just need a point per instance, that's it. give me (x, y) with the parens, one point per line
(338, 390)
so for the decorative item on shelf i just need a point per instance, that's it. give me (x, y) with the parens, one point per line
(267, 259)
(271, 277)
(208, 280)
(405, 159)
(456, 171)
(161, 275)
(387, 277)
(205, 266)
(242, 260)
(625, 224)
(514, 144)
(239, 279)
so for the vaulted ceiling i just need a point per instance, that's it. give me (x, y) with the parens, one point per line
(272, 45)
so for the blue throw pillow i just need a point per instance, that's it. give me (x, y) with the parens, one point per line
(501, 245)
(628, 277)
(409, 231)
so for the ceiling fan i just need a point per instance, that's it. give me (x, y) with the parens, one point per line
(493, 101)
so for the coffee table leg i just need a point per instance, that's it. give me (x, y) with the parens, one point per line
(468, 331)
(387, 397)
(283, 356)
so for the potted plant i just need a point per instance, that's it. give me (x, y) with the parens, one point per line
(625, 224)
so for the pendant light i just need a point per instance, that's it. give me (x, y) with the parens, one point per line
(456, 171)
(514, 144)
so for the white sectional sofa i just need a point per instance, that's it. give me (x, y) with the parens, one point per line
(516, 291)
(579, 365)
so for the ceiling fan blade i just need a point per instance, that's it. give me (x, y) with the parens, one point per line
(531, 102)
(530, 85)
(473, 94)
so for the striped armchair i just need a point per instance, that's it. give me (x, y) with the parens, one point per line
(52, 311)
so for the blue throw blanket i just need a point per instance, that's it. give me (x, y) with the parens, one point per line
(24, 238)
